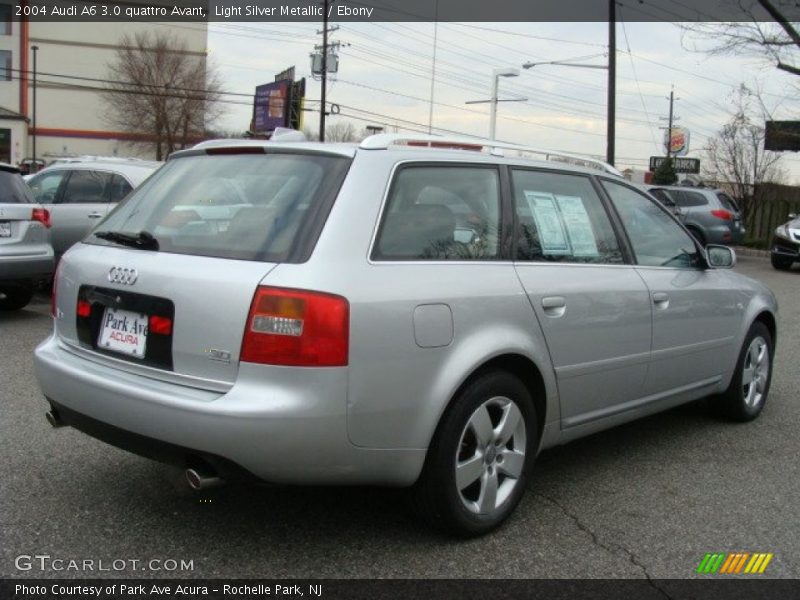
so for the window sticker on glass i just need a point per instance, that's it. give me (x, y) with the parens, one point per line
(579, 226)
(549, 223)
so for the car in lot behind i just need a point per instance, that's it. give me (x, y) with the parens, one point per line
(26, 256)
(392, 314)
(785, 247)
(80, 193)
(711, 215)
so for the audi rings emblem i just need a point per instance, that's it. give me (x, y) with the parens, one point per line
(123, 275)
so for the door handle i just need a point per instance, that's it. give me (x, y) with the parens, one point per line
(95, 215)
(554, 306)
(661, 299)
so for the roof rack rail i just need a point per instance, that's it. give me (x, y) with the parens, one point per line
(382, 141)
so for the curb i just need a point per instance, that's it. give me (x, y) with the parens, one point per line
(744, 251)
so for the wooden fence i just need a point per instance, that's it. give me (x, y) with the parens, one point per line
(772, 206)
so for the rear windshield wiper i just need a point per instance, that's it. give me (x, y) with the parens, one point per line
(142, 240)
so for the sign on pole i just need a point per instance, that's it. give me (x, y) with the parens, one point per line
(679, 165)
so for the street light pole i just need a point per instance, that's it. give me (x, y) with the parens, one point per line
(496, 75)
(34, 164)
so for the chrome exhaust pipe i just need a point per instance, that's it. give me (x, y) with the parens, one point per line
(199, 480)
(54, 420)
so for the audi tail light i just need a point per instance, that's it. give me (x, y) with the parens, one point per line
(42, 215)
(297, 328)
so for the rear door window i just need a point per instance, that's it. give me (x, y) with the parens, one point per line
(118, 188)
(562, 219)
(441, 213)
(13, 190)
(686, 198)
(45, 186)
(85, 187)
(727, 202)
(248, 206)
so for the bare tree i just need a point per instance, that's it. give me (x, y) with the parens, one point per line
(736, 156)
(340, 131)
(763, 30)
(161, 93)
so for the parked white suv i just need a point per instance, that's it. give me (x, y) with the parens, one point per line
(392, 314)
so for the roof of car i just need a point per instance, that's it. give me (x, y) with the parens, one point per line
(9, 168)
(436, 148)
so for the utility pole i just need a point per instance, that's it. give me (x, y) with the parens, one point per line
(34, 164)
(612, 82)
(669, 128)
(322, 108)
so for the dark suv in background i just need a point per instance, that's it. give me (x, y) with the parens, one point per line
(711, 215)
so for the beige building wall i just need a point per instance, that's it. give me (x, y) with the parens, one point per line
(72, 116)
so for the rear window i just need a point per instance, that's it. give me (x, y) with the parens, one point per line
(727, 202)
(241, 206)
(13, 190)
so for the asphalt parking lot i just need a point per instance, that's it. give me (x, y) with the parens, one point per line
(648, 499)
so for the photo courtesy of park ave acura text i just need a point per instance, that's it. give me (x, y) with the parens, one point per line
(386, 298)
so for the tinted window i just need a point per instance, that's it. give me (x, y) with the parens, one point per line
(85, 187)
(13, 189)
(561, 218)
(5, 65)
(118, 188)
(663, 197)
(45, 185)
(686, 198)
(441, 213)
(657, 240)
(241, 206)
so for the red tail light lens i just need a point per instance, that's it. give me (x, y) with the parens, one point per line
(42, 215)
(160, 325)
(725, 215)
(84, 309)
(297, 328)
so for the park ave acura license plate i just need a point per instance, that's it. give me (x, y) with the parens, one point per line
(123, 331)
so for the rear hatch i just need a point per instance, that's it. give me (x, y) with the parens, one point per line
(165, 284)
(23, 224)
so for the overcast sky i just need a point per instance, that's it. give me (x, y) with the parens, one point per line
(384, 79)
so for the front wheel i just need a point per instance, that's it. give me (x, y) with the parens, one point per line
(478, 465)
(781, 263)
(746, 395)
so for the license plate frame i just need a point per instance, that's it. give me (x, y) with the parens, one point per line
(123, 332)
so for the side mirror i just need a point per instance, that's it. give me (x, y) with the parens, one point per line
(720, 257)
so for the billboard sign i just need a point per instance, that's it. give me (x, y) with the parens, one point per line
(782, 135)
(679, 165)
(271, 107)
(676, 141)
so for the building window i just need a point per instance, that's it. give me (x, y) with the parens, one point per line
(5, 65)
(5, 19)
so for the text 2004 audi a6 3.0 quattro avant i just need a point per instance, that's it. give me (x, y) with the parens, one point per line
(392, 313)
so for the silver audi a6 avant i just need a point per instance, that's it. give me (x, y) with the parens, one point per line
(407, 312)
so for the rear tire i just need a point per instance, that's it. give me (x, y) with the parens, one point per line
(781, 263)
(15, 298)
(746, 395)
(479, 462)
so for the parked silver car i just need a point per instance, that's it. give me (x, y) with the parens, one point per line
(711, 215)
(785, 247)
(79, 193)
(391, 314)
(26, 256)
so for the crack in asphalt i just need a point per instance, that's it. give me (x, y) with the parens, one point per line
(612, 548)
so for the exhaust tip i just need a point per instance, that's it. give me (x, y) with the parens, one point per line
(198, 480)
(54, 419)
